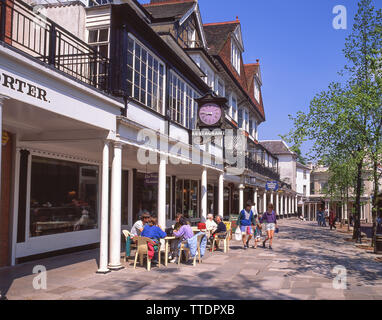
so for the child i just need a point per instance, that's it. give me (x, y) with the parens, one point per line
(257, 232)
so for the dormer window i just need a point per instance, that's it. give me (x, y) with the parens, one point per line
(235, 57)
(257, 90)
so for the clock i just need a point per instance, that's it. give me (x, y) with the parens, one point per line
(210, 114)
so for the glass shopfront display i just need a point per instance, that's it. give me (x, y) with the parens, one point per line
(64, 197)
(187, 197)
(210, 199)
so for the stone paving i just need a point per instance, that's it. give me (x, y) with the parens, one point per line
(299, 267)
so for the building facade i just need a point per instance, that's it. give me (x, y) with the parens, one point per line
(97, 122)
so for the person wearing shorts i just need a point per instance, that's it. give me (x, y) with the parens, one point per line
(269, 218)
(245, 221)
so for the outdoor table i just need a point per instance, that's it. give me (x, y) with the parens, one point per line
(167, 240)
(196, 229)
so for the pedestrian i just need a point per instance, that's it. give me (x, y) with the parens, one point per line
(320, 215)
(269, 218)
(332, 219)
(257, 231)
(245, 221)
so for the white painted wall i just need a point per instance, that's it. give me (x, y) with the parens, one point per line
(287, 166)
(300, 181)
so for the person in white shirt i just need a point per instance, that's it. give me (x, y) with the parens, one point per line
(139, 225)
(211, 225)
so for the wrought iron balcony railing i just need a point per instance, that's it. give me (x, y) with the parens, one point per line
(259, 168)
(27, 30)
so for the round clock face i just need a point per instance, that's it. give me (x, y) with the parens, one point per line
(210, 114)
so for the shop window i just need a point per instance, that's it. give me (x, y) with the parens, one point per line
(63, 197)
(146, 194)
(145, 76)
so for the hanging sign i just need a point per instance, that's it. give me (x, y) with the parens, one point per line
(272, 186)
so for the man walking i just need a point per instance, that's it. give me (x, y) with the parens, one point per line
(245, 221)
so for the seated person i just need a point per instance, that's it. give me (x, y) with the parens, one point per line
(138, 227)
(211, 225)
(155, 233)
(220, 229)
(185, 232)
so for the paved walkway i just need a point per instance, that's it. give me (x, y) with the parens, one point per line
(299, 267)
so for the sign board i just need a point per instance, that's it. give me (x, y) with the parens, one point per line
(272, 186)
(151, 179)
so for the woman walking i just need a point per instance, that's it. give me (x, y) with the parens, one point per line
(269, 218)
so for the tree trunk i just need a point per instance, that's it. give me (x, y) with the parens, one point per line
(357, 216)
(375, 202)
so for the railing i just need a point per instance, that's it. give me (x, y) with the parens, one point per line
(22, 27)
(259, 168)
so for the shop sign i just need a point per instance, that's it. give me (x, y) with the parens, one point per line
(23, 87)
(151, 179)
(272, 186)
(5, 138)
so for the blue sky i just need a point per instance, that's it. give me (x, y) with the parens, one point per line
(299, 50)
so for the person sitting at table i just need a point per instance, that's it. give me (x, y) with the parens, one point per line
(138, 227)
(211, 225)
(155, 233)
(185, 232)
(220, 229)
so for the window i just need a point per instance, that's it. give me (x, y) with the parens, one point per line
(233, 107)
(99, 40)
(183, 107)
(246, 120)
(304, 174)
(257, 90)
(240, 118)
(220, 88)
(304, 190)
(235, 57)
(145, 76)
(64, 197)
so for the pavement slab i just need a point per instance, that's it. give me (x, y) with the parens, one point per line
(301, 267)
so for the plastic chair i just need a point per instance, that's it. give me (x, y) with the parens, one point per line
(184, 248)
(129, 244)
(142, 249)
(225, 240)
(228, 226)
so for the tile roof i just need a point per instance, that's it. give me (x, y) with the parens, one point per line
(276, 147)
(217, 34)
(169, 9)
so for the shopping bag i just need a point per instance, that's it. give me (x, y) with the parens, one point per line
(238, 233)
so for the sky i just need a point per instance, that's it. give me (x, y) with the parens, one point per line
(300, 51)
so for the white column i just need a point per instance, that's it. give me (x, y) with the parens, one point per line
(162, 192)
(282, 205)
(255, 201)
(272, 197)
(241, 196)
(104, 226)
(115, 216)
(277, 204)
(303, 210)
(265, 201)
(289, 204)
(130, 188)
(346, 211)
(296, 204)
(221, 195)
(204, 195)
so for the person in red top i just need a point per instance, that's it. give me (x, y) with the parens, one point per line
(332, 219)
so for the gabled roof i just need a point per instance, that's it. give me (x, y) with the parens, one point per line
(171, 10)
(276, 147)
(250, 71)
(218, 33)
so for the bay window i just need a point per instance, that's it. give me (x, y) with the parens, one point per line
(145, 76)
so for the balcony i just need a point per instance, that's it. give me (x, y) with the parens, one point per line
(263, 170)
(23, 28)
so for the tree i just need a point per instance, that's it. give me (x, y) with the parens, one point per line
(300, 157)
(345, 120)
